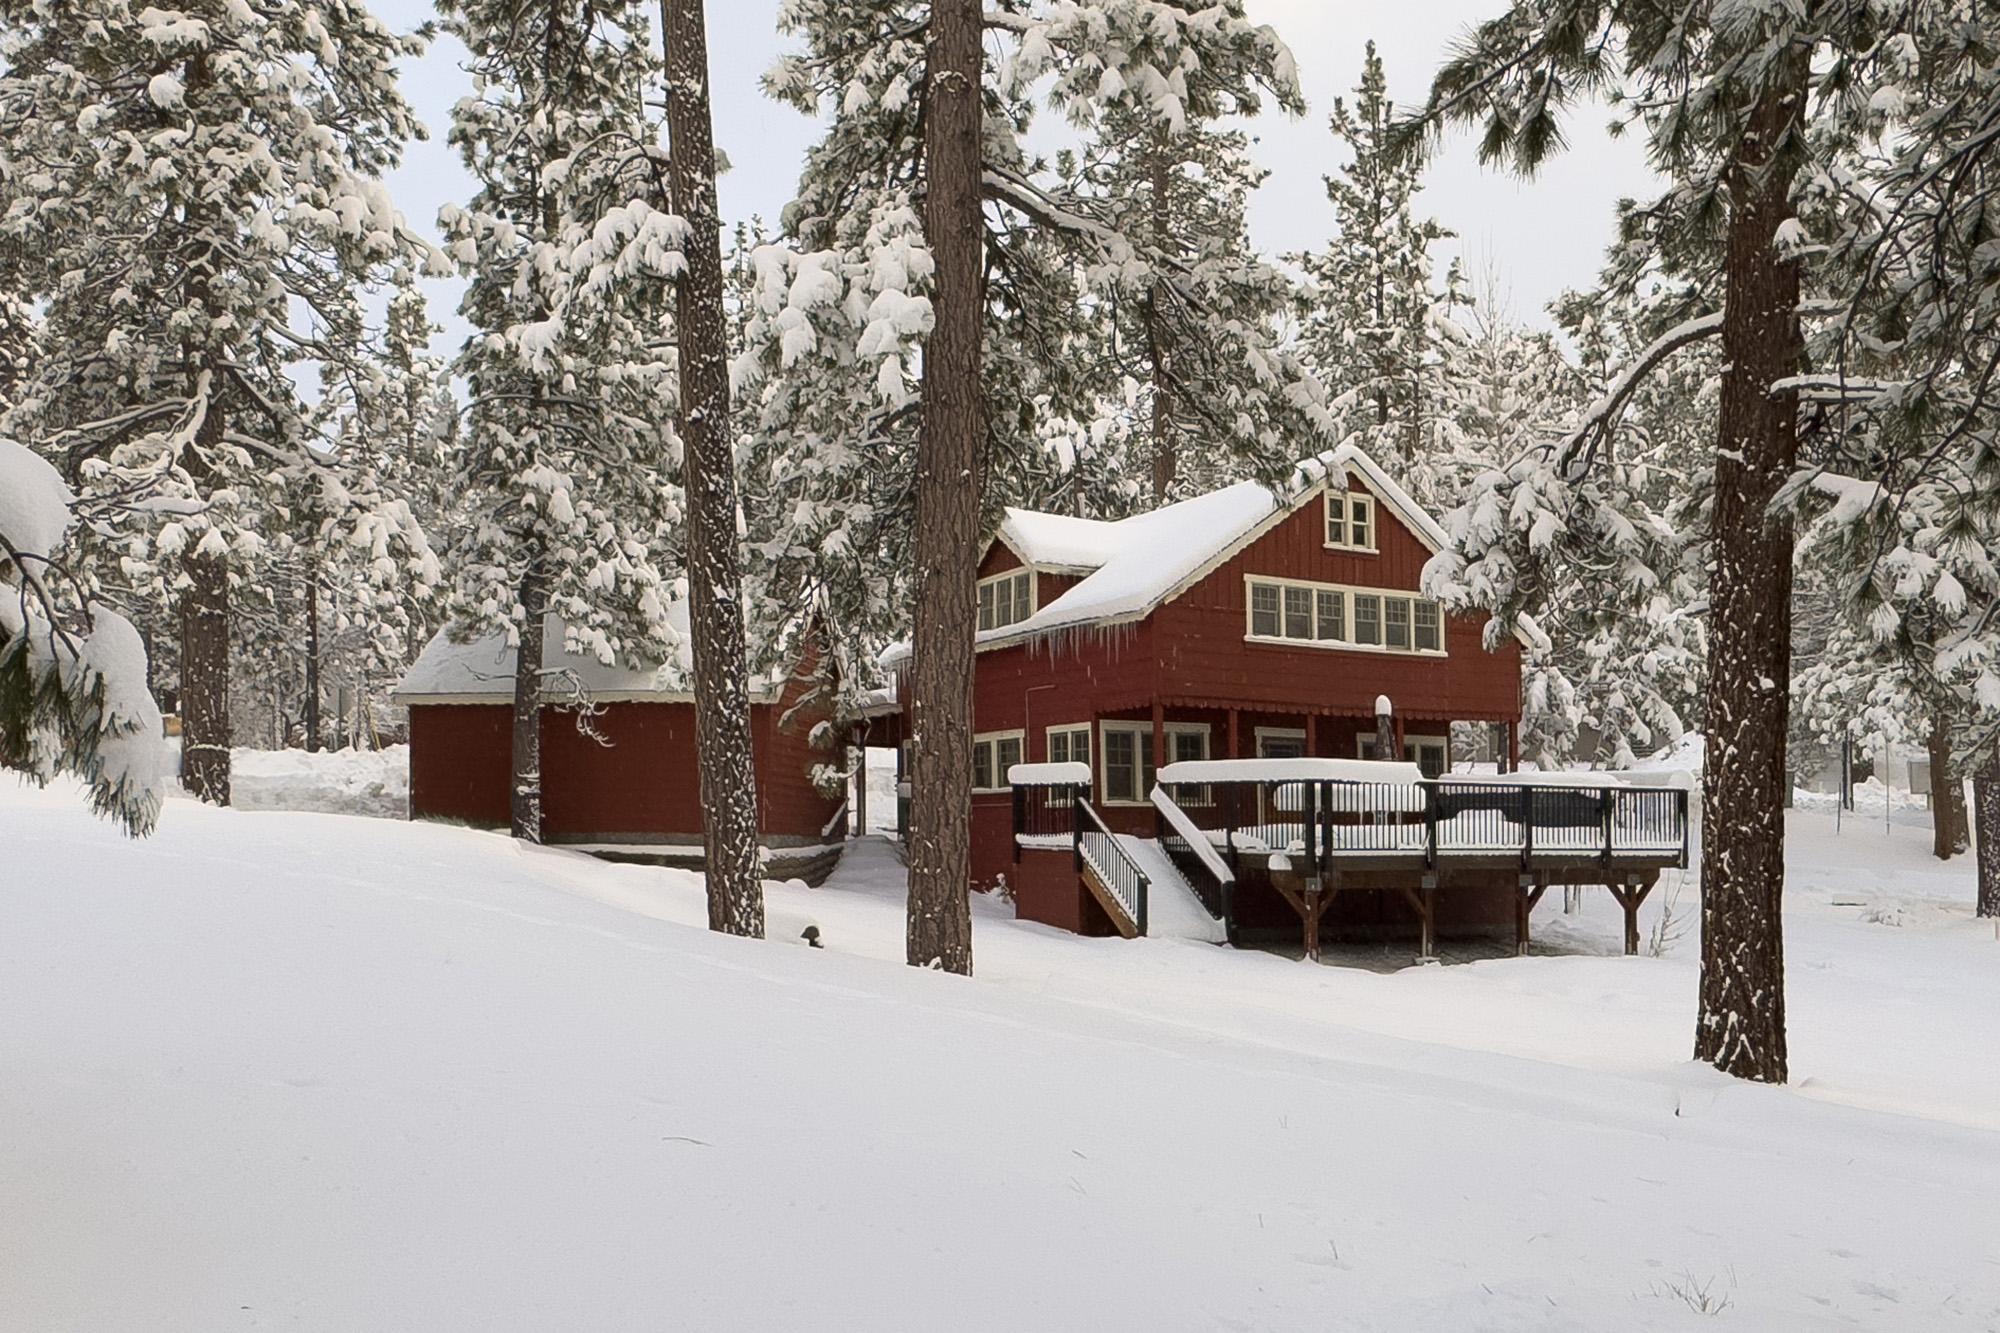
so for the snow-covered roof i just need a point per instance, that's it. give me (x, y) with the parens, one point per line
(1132, 565)
(481, 670)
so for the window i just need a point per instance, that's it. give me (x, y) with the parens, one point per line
(1432, 754)
(1128, 763)
(1332, 623)
(1396, 622)
(1430, 628)
(1350, 521)
(1298, 613)
(993, 753)
(1006, 599)
(1264, 610)
(1328, 615)
(1187, 743)
(1368, 619)
(1070, 744)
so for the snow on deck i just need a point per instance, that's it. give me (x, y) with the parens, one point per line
(324, 1072)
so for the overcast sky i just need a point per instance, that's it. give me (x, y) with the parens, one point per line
(1541, 236)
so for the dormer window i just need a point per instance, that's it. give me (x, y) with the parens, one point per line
(1350, 521)
(1006, 599)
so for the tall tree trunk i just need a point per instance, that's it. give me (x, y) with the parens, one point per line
(1986, 808)
(1160, 167)
(524, 808)
(205, 678)
(312, 658)
(1741, 1027)
(205, 730)
(950, 468)
(1948, 831)
(715, 577)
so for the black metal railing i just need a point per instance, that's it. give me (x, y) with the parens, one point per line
(1211, 879)
(1322, 821)
(1098, 848)
(1045, 810)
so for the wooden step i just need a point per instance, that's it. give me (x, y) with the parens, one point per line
(1108, 900)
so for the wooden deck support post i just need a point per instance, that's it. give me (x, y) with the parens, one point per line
(1630, 895)
(1235, 749)
(1532, 889)
(1315, 903)
(1312, 735)
(1424, 899)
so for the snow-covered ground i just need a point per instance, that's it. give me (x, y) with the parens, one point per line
(361, 782)
(333, 1073)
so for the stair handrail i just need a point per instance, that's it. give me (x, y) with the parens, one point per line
(1192, 835)
(1110, 876)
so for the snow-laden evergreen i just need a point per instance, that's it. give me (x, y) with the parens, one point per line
(568, 445)
(73, 692)
(842, 309)
(192, 196)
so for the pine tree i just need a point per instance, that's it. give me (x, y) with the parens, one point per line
(714, 559)
(567, 248)
(1370, 323)
(845, 310)
(1726, 112)
(194, 197)
(73, 696)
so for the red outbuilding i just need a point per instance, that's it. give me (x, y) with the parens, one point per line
(618, 754)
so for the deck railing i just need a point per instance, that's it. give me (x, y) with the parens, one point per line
(1182, 839)
(1045, 810)
(1098, 848)
(1326, 821)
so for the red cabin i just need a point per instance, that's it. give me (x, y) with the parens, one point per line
(1240, 625)
(618, 754)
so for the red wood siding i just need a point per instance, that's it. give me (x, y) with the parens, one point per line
(639, 782)
(459, 761)
(792, 808)
(1206, 659)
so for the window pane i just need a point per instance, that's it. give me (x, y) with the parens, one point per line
(1118, 757)
(1079, 746)
(986, 606)
(1006, 754)
(1336, 520)
(1298, 613)
(1190, 746)
(1368, 620)
(1430, 635)
(1059, 747)
(1024, 595)
(1397, 613)
(1361, 521)
(982, 763)
(1264, 609)
(1332, 623)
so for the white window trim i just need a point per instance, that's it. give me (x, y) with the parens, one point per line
(1034, 593)
(1346, 645)
(1258, 735)
(1363, 739)
(987, 738)
(1143, 736)
(1326, 514)
(1090, 733)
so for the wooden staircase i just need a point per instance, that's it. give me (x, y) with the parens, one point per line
(1121, 920)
